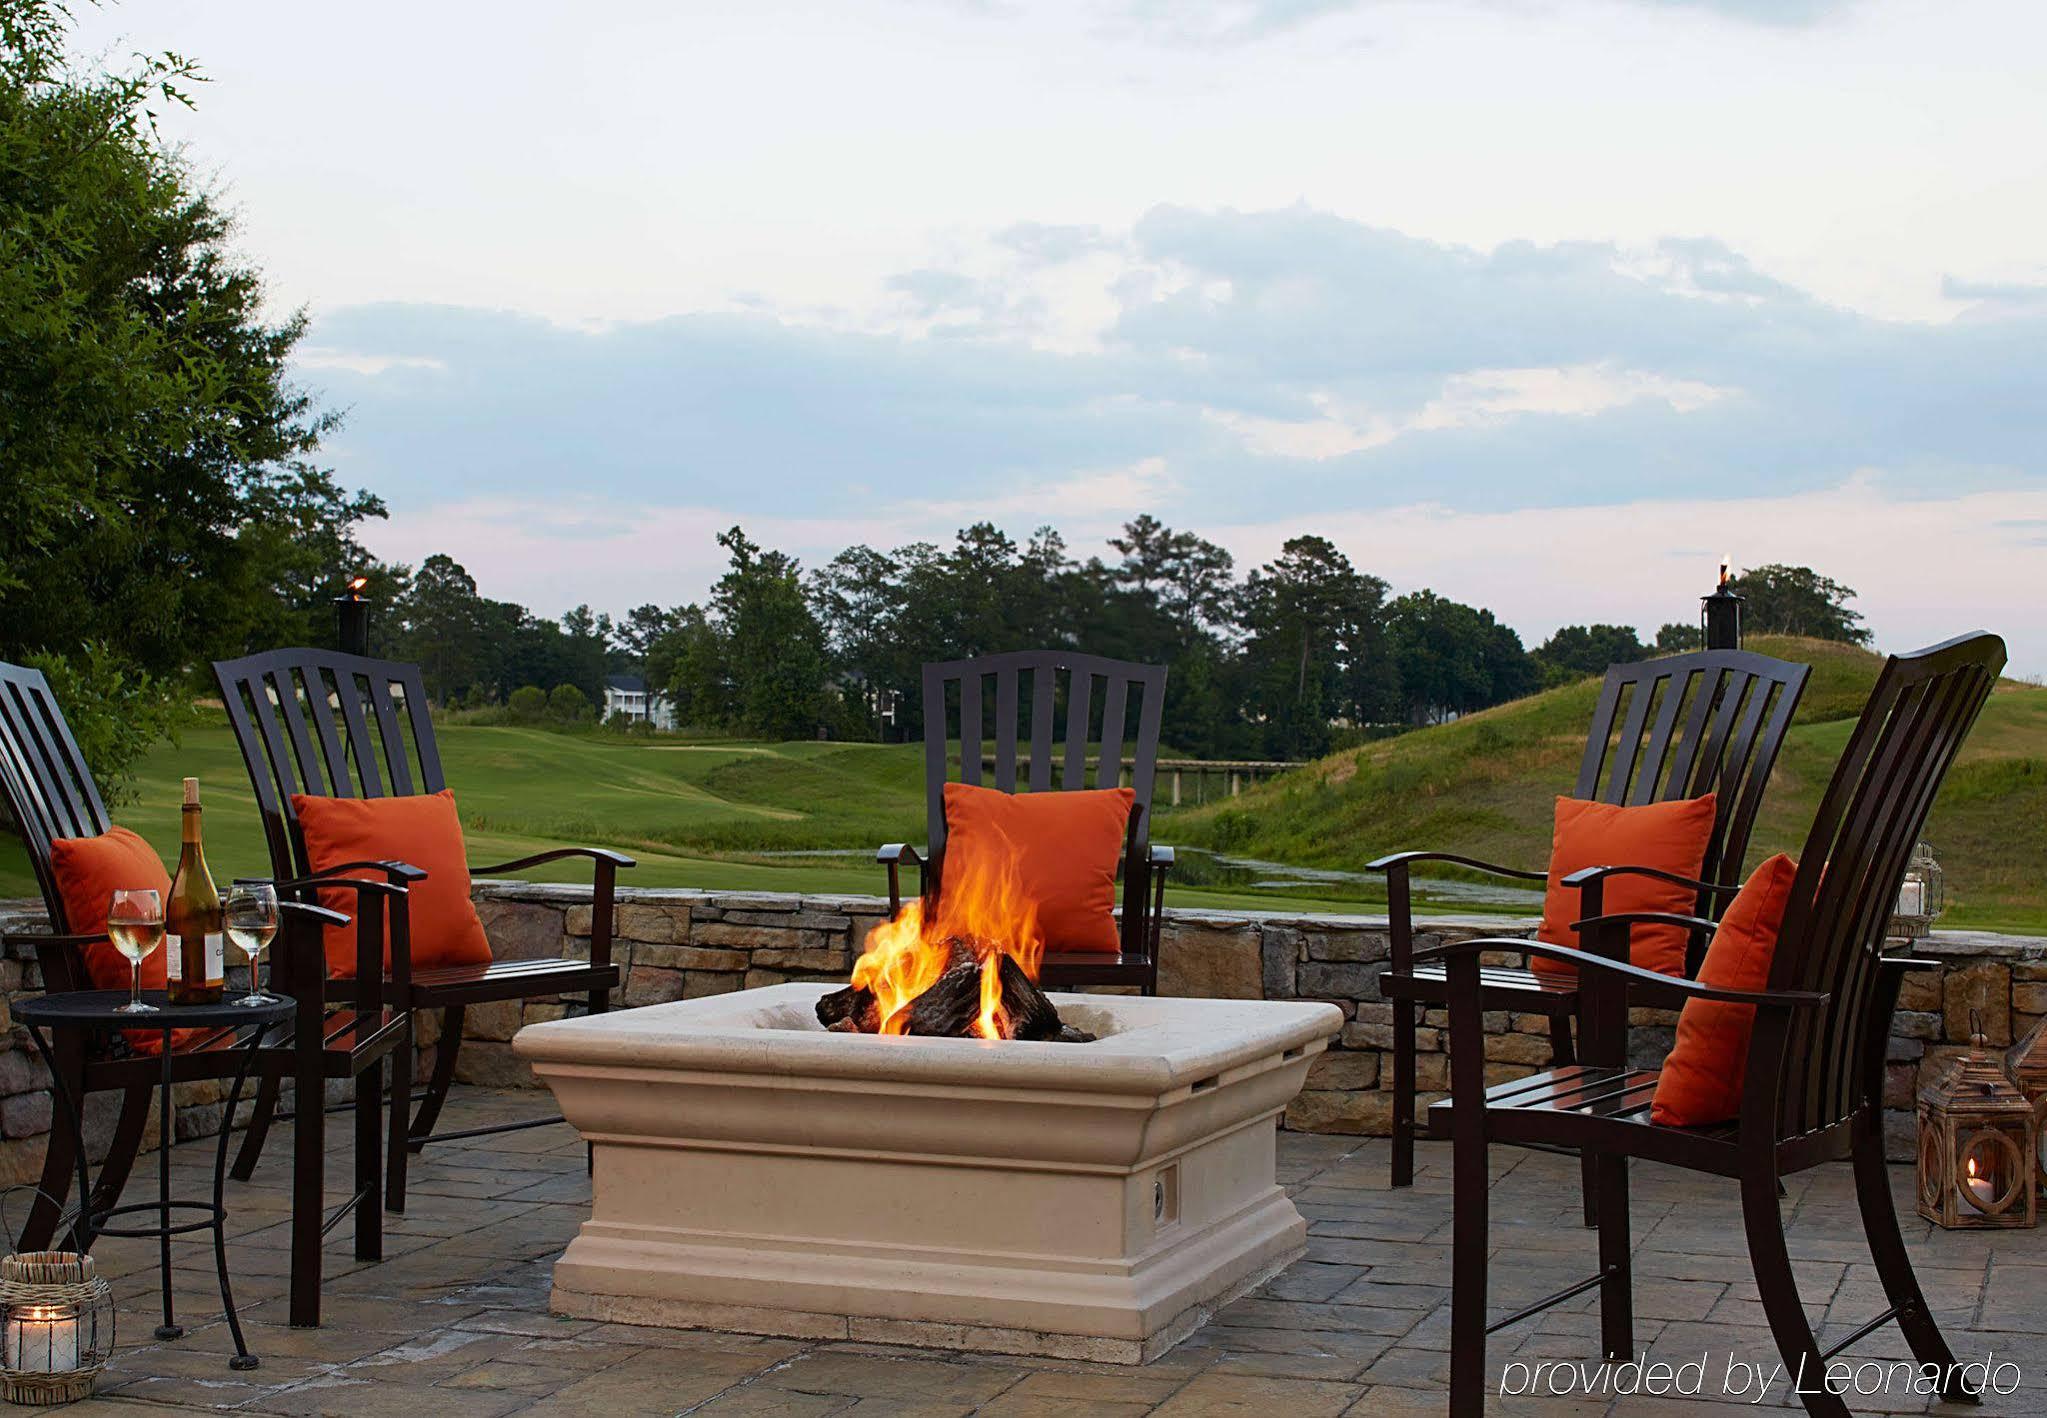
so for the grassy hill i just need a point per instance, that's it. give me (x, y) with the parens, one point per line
(1485, 785)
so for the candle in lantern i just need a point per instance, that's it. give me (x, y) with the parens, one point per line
(1912, 898)
(1980, 1187)
(41, 1339)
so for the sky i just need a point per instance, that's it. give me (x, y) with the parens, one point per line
(1543, 304)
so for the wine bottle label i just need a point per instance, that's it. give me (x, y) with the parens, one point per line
(173, 962)
(216, 956)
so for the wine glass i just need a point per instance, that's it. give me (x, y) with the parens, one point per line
(250, 918)
(135, 925)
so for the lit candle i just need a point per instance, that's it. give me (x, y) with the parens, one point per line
(42, 1339)
(1980, 1187)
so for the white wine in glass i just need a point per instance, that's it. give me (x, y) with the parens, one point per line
(135, 926)
(251, 917)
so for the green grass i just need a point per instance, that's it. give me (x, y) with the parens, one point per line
(706, 814)
(698, 815)
(1484, 786)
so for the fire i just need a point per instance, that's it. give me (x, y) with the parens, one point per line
(983, 906)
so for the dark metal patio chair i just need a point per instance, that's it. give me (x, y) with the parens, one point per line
(51, 793)
(1144, 864)
(324, 723)
(1813, 1091)
(1664, 729)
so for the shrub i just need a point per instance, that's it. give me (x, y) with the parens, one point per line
(528, 704)
(568, 704)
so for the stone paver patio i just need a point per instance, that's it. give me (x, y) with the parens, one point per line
(454, 1322)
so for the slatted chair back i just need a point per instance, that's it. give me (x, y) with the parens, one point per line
(49, 788)
(1054, 703)
(1708, 721)
(327, 724)
(1848, 878)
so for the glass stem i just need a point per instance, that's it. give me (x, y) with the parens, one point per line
(135, 982)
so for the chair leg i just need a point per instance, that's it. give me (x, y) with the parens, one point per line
(369, 1163)
(60, 1173)
(443, 1075)
(1778, 1289)
(1403, 1092)
(1894, 1266)
(1616, 1265)
(308, 1184)
(260, 1117)
(399, 1149)
(126, 1143)
(1470, 1236)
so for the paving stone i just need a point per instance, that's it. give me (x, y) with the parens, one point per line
(1259, 1397)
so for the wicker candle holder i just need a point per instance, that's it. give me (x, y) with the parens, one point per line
(56, 1326)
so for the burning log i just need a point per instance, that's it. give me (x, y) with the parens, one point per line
(951, 1006)
(849, 1011)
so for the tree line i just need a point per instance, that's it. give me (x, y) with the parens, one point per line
(1296, 657)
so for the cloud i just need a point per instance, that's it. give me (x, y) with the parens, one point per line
(1282, 368)
(1226, 22)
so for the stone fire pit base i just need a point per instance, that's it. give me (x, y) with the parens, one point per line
(1096, 1201)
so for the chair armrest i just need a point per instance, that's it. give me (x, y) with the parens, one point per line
(60, 942)
(361, 886)
(1401, 859)
(319, 914)
(392, 870)
(595, 854)
(1161, 857)
(892, 855)
(1659, 918)
(894, 852)
(1585, 875)
(1584, 960)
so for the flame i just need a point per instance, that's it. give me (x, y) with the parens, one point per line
(983, 905)
(1726, 562)
(356, 583)
(1972, 1169)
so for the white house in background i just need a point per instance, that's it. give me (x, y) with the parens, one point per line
(627, 695)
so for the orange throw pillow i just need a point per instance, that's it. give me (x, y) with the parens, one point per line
(1064, 847)
(89, 870)
(422, 830)
(1701, 1080)
(1670, 836)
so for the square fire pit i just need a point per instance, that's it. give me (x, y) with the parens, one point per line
(757, 1173)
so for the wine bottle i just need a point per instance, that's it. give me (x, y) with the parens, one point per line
(193, 959)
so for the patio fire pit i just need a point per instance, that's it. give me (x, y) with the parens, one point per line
(1096, 1198)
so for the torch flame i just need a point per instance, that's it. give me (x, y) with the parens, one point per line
(983, 906)
(356, 583)
(1726, 563)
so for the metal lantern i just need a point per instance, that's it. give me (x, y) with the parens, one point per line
(1720, 614)
(2026, 1066)
(1978, 1145)
(1922, 895)
(56, 1326)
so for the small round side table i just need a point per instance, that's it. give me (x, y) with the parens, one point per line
(85, 1009)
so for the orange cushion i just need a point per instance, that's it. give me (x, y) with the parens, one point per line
(89, 870)
(422, 830)
(1670, 836)
(1702, 1078)
(1065, 848)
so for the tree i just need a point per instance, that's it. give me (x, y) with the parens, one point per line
(1579, 650)
(528, 704)
(1675, 637)
(1307, 611)
(158, 495)
(1796, 600)
(1453, 658)
(757, 660)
